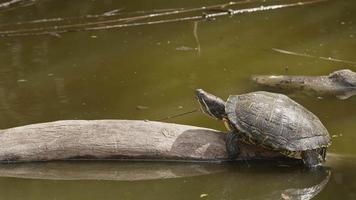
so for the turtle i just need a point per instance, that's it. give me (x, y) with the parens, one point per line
(270, 120)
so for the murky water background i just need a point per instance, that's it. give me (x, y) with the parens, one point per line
(151, 72)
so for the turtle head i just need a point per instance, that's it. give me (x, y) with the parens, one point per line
(210, 104)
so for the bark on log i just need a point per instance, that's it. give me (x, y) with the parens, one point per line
(118, 139)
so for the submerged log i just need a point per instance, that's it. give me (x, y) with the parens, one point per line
(341, 83)
(119, 140)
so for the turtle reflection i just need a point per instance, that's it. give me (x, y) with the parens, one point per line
(283, 184)
(256, 181)
(304, 193)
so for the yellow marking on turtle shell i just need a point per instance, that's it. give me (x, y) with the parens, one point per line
(292, 154)
(247, 140)
(226, 124)
(250, 140)
(264, 140)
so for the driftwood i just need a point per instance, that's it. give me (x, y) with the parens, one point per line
(119, 140)
(341, 83)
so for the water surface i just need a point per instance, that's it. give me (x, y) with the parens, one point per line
(151, 72)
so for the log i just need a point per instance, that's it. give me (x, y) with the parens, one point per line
(119, 140)
(341, 83)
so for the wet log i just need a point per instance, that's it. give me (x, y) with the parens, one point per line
(119, 140)
(341, 84)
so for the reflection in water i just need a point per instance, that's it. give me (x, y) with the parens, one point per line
(106, 74)
(304, 193)
(285, 184)
(118, 171)
(40, 52)
(6, 106)
(17, 51)
(60, 90)
(230, 181)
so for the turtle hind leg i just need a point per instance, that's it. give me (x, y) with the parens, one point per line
(312, 158)
(232, 147)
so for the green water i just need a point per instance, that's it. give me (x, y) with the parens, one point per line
(151, 72)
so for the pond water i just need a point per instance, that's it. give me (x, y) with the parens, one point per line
(151, 72)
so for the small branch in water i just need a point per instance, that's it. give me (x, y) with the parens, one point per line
(124, 22)
(195, 33)
(107, 14)
(79, 27)
(12, 4)
(261, 8)
(312, 56)
(110, 13)
(177, 115)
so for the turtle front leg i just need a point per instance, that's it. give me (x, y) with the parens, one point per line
(312, 158)
(232, 147)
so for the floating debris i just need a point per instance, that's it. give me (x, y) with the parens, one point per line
(185, 48)
(313, 56)
(21, 80)
(112, 12)
(203, 195)
(140, 107)
(336, 135)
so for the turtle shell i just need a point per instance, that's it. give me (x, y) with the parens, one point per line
(275, 121)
